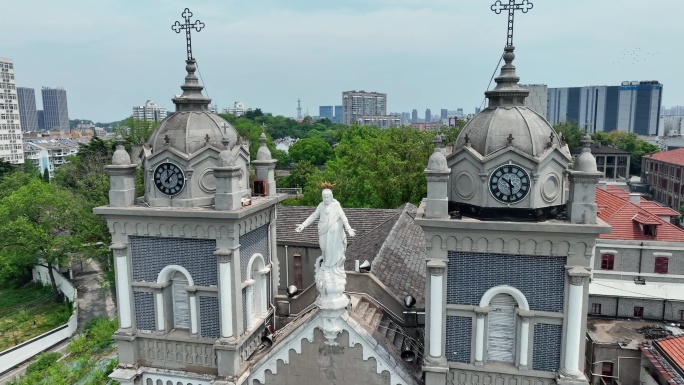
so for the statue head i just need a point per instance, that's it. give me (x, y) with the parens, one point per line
(327, 196)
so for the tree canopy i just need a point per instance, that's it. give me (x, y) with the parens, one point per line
(313, 150)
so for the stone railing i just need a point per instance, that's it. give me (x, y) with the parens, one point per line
(27, 350)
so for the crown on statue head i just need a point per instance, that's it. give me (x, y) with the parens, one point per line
(327, 185)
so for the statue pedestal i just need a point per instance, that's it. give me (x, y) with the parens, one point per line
(332, 300)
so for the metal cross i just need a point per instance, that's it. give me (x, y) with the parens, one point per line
(263, 128)
(197, 25)
(511, 7)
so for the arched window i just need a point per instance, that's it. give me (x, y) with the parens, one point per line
(181, 301)
(507, 334)
(501, 327)
(258, 276)
(182, 312)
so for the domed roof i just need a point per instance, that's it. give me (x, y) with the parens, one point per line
(586, 161)
(263, 153)
(437, 161)
(121, 157)
(507, 121)
(192, 126)
(516, 126)
(189, 131)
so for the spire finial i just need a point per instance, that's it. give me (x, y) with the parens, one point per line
(188, 26)
(510, 140)
(511, 7)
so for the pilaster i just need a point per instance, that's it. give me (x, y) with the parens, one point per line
(570, 372)
(436, 314)
(228, 196)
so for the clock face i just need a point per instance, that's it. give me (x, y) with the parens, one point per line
(509, 183)
(169, 179)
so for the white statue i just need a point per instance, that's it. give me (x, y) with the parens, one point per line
(330, 276)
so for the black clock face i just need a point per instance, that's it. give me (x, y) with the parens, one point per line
(169, 179)
(509, 183)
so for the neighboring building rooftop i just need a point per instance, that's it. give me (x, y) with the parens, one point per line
(628, 220)
(667, 358)
(623, 332)
(601, 150)
(672, 156)
(673, 347)
(629, 289)
(388, 239)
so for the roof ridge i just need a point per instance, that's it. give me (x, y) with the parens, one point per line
(378, 226)
(384, 243)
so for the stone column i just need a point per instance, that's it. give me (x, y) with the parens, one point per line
(574, 333)
(123, 285)
(437, 314)
(249, 310)
(225, 292)
(479, 334)
(194, 321)
(524, 338)
(160, 316)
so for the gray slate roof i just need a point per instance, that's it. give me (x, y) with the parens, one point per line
(389, 239)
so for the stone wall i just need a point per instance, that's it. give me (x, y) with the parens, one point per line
(321, 364)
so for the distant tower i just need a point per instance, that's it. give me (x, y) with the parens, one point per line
(299, 110)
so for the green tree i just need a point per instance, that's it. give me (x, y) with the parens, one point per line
(6, 168)
(571, 132)
(630, 142)
(15, 181)
(40, 224)
(136, 131)
(300, 175)
(46, 175)
(376, 168)
(314, 150)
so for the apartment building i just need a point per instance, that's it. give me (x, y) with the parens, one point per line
(10, 124)
(55, 109)
(664, 172)
(357, 104)
(150, 111)
(51, 154)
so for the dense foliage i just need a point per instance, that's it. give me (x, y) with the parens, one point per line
(91, 359)
(626, 141)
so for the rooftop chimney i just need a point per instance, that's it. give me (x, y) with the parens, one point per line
(635, 198)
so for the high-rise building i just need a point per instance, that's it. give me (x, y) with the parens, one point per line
(55, 109)
(631, 107)
(428, 115)
(238, 109)
(414, 116)
(325, 112)
(444, 114)
(338, 114)
(357, 104)
(673, 111)
(27, 109)
(537, 100)
(11, 149)
(151, 111)
(405, 118)
(40, 114)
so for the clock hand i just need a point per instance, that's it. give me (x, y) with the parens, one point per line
(510, 185)
(170, 174)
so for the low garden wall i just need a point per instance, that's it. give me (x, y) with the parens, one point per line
(27, 350)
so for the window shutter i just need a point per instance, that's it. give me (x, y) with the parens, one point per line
(181, 304)
(501, 329)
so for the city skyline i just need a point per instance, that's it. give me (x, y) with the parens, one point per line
(107, 35)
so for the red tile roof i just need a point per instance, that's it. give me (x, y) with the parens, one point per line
(672, 156)
(650, 206)
(674, 348)
(627, 219)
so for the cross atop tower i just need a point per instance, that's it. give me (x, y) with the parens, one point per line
(511, 7)
(197, 25)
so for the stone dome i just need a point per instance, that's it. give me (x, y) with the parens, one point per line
(263, 153)
(491, 129)
(189, 131)
(121, 156)
(507, 121)
(192, 126)
(585, 161)
(437, 161)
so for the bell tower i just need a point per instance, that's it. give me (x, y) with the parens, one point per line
(195, 254)
(509, 259)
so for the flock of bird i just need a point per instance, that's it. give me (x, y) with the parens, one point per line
(634, 56)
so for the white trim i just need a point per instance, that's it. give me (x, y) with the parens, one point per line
(167, 272)
(608, 251)
(661, 254)
(505, 289)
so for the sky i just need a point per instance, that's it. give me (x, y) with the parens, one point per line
(111, 55)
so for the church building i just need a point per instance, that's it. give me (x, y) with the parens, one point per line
(509, 229)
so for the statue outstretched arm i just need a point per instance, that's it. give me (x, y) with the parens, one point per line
(308, 220)
(345, 222)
